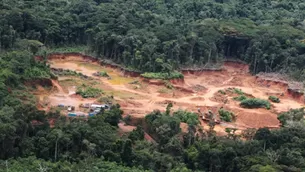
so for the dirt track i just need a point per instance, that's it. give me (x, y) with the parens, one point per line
(140, 99)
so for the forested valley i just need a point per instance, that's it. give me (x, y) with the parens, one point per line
(159, 36)
(151, 36)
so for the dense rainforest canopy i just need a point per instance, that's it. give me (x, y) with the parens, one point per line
(149, 36)
(163, 35)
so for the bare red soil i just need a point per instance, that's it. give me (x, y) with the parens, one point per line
(197, 89)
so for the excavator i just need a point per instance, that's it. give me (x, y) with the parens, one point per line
(208, 116)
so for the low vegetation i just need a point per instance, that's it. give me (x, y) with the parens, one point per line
(255, 103)
(64, 49)
(187, 117)
(102, 74)
(293, 115)
(231, 91)
(274, 99)
(88, 91)
(226, 115)
(238, 91)
(160, 75)
(127, 119)
(240, 98)
(222, 92)
(36, 73)
(70, 73)
(67, 72)
(106, 100)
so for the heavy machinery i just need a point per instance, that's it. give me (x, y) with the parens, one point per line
(207, 117)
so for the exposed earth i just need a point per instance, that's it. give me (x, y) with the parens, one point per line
(200, 89)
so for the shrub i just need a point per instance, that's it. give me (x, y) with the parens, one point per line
(222, 92)
(226, 115)
(291, 115)
(127, 119)
(162, 126)
(187, 117)
(255, 103)
(107, 100)
(160, 75)
(87, 92)
(36, 72)
(274, 99)
(238, 91)
(240, 98)
(103, 74)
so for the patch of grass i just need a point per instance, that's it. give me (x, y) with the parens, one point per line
(88, 92)
(160, 75)
(274, 99)
(240, 98)
(255, 103)
(226, 115)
